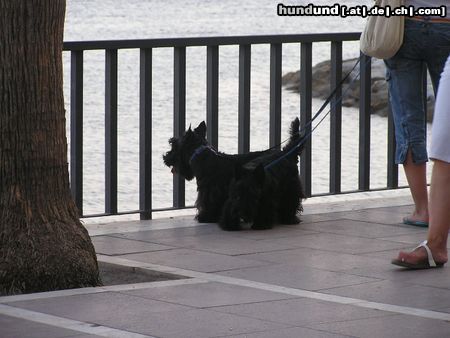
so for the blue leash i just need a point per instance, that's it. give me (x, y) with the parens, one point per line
(327, 101)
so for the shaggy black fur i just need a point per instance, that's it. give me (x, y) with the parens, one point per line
(191, 156)
(267, 189)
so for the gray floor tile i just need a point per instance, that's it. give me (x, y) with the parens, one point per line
(393, 326)
(367, 229)
(147, 316)
(298, 277)
(437, 278)
(11, 327)
(195, 260)
(330, 261)
(108, 245)
(109, 308)
(376, 215)
(388, 255)
(294, 332)
(154, 235)
(402, 210)
(227, 243)
(208, 295)
(337, 243)
(446, 310)
(312, 218)
(412, 239)
(197, 323)
(277, 231)
(301, 311)
(289, 256)
(397, 293)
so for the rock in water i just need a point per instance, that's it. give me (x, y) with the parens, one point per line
(379, 101)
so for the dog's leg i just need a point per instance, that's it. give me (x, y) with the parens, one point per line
(290, 202)
(264, 216)
(230, 220)
(205, 217)
(208, 211)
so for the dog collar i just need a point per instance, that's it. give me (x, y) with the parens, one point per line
(199, 150)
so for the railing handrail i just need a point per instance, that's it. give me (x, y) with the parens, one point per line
(209, 41)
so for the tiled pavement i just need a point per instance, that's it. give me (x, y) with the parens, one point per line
(327, 277)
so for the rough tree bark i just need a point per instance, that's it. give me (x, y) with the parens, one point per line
(43, 245)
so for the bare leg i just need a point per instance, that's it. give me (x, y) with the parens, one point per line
(440, 181)
(417, 180)
(439, 217)
(439, 210)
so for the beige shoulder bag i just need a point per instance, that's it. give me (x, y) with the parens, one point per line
(382, 36)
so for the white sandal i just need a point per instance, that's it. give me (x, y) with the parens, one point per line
(421, 265)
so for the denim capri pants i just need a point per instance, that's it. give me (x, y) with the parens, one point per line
(426, 43)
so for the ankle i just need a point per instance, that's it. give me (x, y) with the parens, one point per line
(421, 214)
(439, 249)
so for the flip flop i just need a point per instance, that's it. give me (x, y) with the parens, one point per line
(421, 224)
(428, 264)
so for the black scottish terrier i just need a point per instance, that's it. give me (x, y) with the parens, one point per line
(267, 189)
(191, 156)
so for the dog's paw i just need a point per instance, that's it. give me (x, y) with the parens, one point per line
(290, 221)
(230, 227)
(201, 218)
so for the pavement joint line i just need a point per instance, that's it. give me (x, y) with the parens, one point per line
(119, 228)
(99, 289)
(212, 277)
(68, 324)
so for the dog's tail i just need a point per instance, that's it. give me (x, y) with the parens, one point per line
(296, 140)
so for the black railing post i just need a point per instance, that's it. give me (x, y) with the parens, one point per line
(275, 94)
(364, 123)
(244, 98)
(336, 118)
(76, 128)
(212, 95)
(179, 127)
(305, 113)
(145, 134)
(111, 131)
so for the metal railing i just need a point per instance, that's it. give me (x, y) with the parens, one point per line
(212, 45)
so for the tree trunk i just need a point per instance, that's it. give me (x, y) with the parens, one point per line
(43, 245)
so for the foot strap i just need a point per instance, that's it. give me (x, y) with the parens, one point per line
(431, 261)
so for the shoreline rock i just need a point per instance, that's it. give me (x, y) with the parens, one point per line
(321, 86)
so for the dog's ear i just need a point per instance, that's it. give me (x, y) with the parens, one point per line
(259, 174)
(201, 129)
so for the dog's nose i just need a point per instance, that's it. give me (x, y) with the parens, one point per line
(173, 170)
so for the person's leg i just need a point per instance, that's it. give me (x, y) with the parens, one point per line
(417, 181)
(437, 52)
(440, 182)
(439, 205)
(439, 210)
(439, 35)
(439, 218)
(404, 77)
